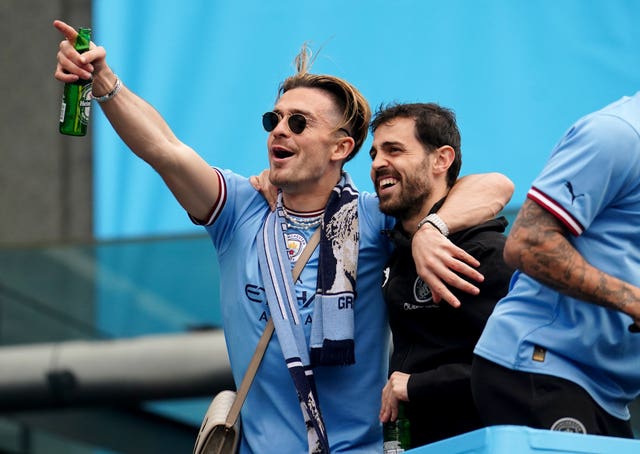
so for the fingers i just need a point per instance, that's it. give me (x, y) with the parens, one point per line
(443, 294)
(255, 182)
(437, 283)
(69, 67)
(388, 409)
(394, 391)
(385, 408)
(440, 285)
(464, 257)
(71, 64)
(393, 410)
(68, 31)
(385, 412)
(465, 270)
(262, 184)
(443, 266)
(454, 280)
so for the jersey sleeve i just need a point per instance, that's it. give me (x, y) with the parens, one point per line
(238, 204)
(585, 172)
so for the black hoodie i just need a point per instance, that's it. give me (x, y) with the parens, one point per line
(434, 342)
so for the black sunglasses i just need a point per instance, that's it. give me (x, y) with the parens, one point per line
(296, 122)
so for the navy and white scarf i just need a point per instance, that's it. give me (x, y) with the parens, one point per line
(333, 322)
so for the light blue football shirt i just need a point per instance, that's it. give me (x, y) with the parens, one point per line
(592, 184)
(349, 395)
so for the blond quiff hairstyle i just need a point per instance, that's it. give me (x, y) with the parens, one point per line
(355, 109)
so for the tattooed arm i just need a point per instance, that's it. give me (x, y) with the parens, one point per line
(538, 246)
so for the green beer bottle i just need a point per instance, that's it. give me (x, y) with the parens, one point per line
(76, 98)
(397, 437)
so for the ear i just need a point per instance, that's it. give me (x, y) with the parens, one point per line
(442, 159)
(343, 148)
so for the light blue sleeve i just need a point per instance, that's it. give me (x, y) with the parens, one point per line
(243, 210)
(590, 166)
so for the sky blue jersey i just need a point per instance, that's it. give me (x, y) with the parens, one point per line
(349, 395)
(591, 183)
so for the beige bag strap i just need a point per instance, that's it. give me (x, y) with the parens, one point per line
(266, 336)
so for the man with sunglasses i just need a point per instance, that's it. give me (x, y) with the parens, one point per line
(328, 355)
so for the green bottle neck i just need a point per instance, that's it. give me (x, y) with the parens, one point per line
(83, 40)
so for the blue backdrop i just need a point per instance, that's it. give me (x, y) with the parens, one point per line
(517, 73)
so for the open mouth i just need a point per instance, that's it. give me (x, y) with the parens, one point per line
(387, 182)
(281, 153)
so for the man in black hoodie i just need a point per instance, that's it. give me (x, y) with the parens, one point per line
(416, 159)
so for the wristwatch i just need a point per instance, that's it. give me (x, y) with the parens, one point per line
(435, 221)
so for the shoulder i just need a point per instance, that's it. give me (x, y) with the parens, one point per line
(604, 133)
(369, 212)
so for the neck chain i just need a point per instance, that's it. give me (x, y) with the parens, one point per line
(302, 221)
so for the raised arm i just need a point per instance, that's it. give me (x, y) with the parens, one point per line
(192, 181)
(538, 246)
(472, 200)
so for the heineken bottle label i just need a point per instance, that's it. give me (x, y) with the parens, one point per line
(85, 103)
(63, 109)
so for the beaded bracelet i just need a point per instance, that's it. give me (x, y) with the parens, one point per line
(114, 91)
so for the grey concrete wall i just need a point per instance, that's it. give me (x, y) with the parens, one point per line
(45, 177)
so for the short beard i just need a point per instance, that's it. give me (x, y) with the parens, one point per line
(409, 202)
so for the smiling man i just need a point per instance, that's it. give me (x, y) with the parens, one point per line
(330, 347)
(416, 160)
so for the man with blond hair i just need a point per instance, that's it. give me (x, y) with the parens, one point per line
(330, 347)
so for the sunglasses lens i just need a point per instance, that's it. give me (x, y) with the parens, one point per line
(269, 121)
(297, 123)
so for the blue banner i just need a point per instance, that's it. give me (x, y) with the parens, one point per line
(517, 74)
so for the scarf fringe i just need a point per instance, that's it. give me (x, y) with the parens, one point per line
(334, 353)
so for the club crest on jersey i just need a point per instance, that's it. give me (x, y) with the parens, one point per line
(295, 245)
(568, 424)
(421, 291)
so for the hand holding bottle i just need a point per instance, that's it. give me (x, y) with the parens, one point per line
(76, 97)
(393, 393)
(397, 434)
(76, 65)
(73, 65)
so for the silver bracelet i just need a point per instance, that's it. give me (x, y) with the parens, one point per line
(435, 221)
(114, 91)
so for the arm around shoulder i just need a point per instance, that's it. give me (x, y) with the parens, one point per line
(474, 199)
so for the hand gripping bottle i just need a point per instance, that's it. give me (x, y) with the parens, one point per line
(397, 437)
(76, 98)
